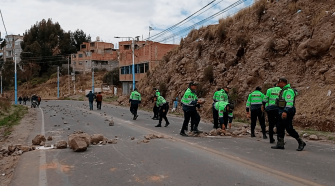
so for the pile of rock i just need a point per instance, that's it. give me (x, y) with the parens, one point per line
(150, 137)
(15, 150)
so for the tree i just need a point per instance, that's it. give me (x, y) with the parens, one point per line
(78, 37)
(46, 43)
(2, 43)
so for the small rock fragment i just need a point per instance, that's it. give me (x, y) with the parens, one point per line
(49, 138)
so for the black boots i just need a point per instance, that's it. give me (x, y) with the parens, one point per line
(195, 130)
(167, 124)
(280, 144)
(182, 133)
(159, 125)
(272, 140)
(302, 144)
(135, 117)
(253, 134)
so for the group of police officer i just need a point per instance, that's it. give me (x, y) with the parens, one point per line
(278, 103)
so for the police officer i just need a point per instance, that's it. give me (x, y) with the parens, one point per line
(286, 107)
(221, 108)
(190, 102)
(134, 100)
(155, 109)
(269, 103)
(254, 104)
(219, 95)
(163, 108)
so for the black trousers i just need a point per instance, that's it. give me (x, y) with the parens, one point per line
(99, 105)
(156, 111)
(224, 120)
(286, 124)
(195, 120)
(215, 117)
(133, 109)
(162, 114)
(273, 119)
(257, 113)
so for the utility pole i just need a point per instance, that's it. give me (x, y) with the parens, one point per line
(58, 82)
(1, 82)
(133, 63)
(68, 72)
(92, 77)
(74, 78)
(15, 81)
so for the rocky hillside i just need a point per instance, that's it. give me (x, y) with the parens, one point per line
(290, 38)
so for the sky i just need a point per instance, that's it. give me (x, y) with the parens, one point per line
(110, 18)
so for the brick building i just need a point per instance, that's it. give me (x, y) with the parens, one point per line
(147, 56)
(95, 54)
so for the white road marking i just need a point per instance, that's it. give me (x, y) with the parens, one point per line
(43, 173)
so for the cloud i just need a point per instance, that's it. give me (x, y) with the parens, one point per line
(104, 18)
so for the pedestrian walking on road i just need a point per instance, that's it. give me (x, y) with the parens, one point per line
(163, 108)
(134, 100)
(25, 98)
(39, 99)
(190, 103)
(155, 109)
(286, 107)
(254, 105)
(20, 100)
(91, 98)
(269, 105)
(99, 100)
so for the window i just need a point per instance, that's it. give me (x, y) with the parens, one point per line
(127, 70)
(146, 67)
(17, 43)
(80, 55)
(80, 63)
(126, 47)
(9, 53)
(92, 44)
(8, 46)
(83, 46)
(122, 70)
(136, 69)
(141, 68)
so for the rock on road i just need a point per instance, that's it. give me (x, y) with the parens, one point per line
(174, 160)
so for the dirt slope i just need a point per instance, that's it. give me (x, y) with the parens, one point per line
(254, 48)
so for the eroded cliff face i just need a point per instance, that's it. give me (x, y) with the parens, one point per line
(254, 48)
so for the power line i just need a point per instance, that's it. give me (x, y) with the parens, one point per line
(156, 35)
(204, 20)
(3, 22)
(193, 17)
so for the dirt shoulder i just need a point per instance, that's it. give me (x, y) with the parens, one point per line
(18, 135)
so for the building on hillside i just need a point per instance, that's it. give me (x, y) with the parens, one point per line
(148, 54)
(13, 46)
(97, 54)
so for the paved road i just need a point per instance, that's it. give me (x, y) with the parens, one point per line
(176, 161)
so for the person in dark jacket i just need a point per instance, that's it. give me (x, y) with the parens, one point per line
(91, 98)
(20, 100)
(99, 100)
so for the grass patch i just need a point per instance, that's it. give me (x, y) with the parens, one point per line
(110, 99)
(81, 98)
(13, 117)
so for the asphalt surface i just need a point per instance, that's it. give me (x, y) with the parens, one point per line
(176, 160)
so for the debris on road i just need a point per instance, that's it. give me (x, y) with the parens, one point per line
(153, 136)
(132, 138)
(49, 138)
(96, 138)
(78, 144)
(38, 139)
(65, 122)
(112, 141)
(61, 144)
(111, 122)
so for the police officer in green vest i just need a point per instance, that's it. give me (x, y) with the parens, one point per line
(286, 107)
(219, 95)
(155, 109)
(163, 108)
(254, 105)
(134, 100)
(190, 103)
(221, 108)
(269, 105)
